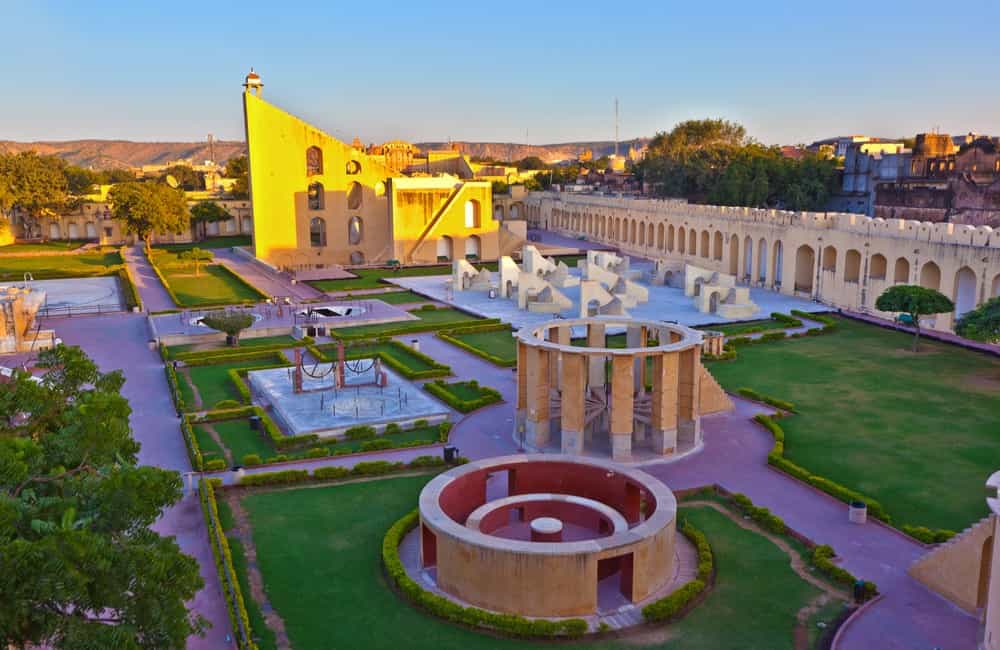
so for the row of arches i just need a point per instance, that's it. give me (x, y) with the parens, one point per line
(73, 230)
(316, 196)
(762, 261)
(314, 163)
(317, 231)
(446, 248)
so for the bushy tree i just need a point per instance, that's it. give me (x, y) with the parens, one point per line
(914, 301)
(206, 212)
(187, 178)
(239, 168)
(80, 181)
(981, 323)
(195, 256)
(145, 208)
(36, 185)
(79, 565)
(230, 321)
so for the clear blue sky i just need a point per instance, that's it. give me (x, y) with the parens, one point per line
(790, 72)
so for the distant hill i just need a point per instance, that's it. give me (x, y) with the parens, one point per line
(508, 151)
(111, 154)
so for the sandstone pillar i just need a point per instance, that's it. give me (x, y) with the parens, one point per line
(622, 402)
(521, 406)
(635, 337)
(689, 374)
(574, 385)
(664, 413)
(596, 372)
(538, 378)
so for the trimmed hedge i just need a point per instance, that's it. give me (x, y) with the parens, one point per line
(228, 353)
(762, 516)
(129, 291)
(368, 468)
(777, 459)
(673, 605)
(928, 535)
(474, 617)
(829, 324)
(193, 448)
(213, 357)
(450, 337)
(750, 393)
(785, 319)
(406, 327)
(235, 604)
(441, 390)
(821, 559)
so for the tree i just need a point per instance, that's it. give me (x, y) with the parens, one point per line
(35, 185)
(914, 301)
(231, 322)
(187, 179)
(79, 565)
(239, 168)
(981, 323)
(207, 212)
(195, 256)
(531, 162)
(145, 208)
(80, 181)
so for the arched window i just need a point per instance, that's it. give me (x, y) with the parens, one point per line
(317, 232)
(354, 196)
(353, 167)
(852, 266)
(472, 247)
(316, 196)
(355, 230)
(472, 213)
(877, 267)
(314, 161)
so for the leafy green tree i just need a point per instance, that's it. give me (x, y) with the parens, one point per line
(145, 208)
(195, 256)
(239, 168)
(230, 321)
(187, 178)
(914, 301)
(112, 176)
(80, 181)
(206, 212)
(531, 162)
(79, 565)
(981, 323)
(33, 184)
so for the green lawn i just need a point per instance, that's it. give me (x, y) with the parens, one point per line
(372, 278)
(498, 343)
(400, 353)
(44, 267)
(211, 242)
(748, 327)
(390, 297)
(213, 284)
(324, 542)
(918, 432)
(43, 247)
(213, 382)
(245, 343)
(241, 440)
(433, 319)
(210, 450)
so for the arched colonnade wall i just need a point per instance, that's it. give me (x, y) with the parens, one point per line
(843, 260)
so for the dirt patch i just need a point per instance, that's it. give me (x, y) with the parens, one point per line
(242, 531)
(987, 382)
(922, 351)
(184, 372)
(218, 440)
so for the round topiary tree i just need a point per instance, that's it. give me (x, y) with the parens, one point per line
(915, 301)
(981, 323)
(231, 322)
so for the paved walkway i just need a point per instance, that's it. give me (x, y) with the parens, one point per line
(154, 295)
(270, 282)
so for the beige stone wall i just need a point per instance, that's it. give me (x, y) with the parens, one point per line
(712, 398)
(954, 569)
(844, 260)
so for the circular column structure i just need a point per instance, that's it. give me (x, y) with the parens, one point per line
(595, 396)
(555, 527)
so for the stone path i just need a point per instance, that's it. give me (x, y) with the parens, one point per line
(272, 283)
(154, 295)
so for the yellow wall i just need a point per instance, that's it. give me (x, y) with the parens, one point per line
(402, 218)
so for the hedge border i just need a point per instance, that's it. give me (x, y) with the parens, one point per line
(129, 289)
(235, 604)
(207, 305)
(409, 327)
(225, 352)
(449, 336)
(437, 369)
(678, 603)
(509, 624)
(336, 472)
(439, 389)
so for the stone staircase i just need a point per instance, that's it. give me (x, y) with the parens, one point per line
(952, 569)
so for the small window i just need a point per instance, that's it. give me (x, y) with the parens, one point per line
(316, 196)
(472, 214)
(314, 161)
(353, 167)
(354, 230)
(317, 232)
(354, 196)
(107, 232)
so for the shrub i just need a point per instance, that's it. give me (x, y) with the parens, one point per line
(443, 430)
(427, 461)
(672, 605)
(375, 445)
(772, 336)
(251, 459)
(829, 324)
(360, 433)
(215, 465)
(392, 429)
(928, 535)
(288, 476)
(318, 452)
(280, 458)
(375, 468)
(444, 392)
(194, 451)
(417, 424)
(762, 516)
(821, 558)
(331, 472)
(773, 401)
(226, 404)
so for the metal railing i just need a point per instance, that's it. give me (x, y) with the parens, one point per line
(69, 311)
